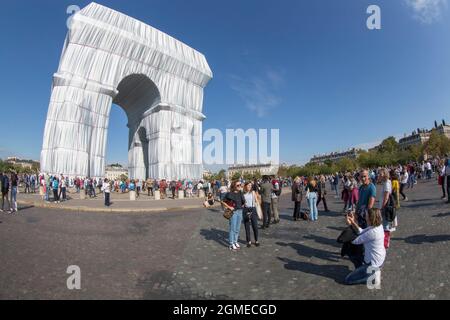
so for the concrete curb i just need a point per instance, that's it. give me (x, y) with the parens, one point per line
(108, 210)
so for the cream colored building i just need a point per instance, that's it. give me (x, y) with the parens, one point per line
(113, 173)
(335, 156)
(263, 169)
(414, 139)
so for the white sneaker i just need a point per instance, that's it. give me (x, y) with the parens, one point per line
(237, 245)
(233, 247)
(378, 278)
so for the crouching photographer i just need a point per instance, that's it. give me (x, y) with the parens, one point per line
(372, 238)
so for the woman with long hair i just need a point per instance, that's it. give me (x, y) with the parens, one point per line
(235, 201)
(250, 214)
(312, 191)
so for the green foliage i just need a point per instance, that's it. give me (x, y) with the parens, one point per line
(8, 167)
(389, 145)
(389, 153)
(236, 175)
(437, 145)
(221, 175)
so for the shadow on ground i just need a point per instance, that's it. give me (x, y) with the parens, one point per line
(422, 238)
(334, 272)
(443, 214)
(213, 234)
(308, 252)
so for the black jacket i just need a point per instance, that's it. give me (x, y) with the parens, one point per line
(348, 248)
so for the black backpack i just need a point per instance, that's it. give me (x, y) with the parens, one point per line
(389, 211)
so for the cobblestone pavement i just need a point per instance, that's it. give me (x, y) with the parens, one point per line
(184, 255)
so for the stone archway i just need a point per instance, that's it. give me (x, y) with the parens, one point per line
(136, 95)
(108, 58)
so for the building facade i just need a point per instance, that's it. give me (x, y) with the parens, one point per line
(414, 139)
(268, 169)
(335, 156)
(27, 164)
(115, 172)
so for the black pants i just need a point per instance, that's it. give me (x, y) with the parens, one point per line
(322, 198)
(402, 186)
(173, 192)
(253, 221)
(107, 197)
(138, 191)
(443, 186)
(55, 195)
(150, 190)
(297, 209)
(448, 187)
(266, 213)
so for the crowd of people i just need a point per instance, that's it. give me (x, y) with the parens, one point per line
(371, 214)
(371, 199)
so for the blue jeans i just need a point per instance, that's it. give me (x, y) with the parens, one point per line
(312, 201)
(359, 275)
(13, 198)
(411, 181)
(235, 226)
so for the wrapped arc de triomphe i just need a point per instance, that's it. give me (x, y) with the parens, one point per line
(109, 58)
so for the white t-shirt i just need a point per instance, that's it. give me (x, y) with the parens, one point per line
(385, 187)
(373, 240)
(405, 177)
(249, 199)
(428, 166)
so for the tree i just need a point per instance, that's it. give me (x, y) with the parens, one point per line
(283, 171)
(236, 176)
(221, 175)
(328, 163)
(437, 145)
(389, 145)
(346, 164)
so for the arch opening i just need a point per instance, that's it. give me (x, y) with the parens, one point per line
(136, 95)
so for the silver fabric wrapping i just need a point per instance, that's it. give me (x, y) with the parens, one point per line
(108, 58)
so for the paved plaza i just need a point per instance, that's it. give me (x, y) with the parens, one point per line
(183, 254)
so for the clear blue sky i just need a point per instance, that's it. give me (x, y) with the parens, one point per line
(310, 68)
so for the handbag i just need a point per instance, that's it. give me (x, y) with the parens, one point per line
(259, 211)
(228, 213)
